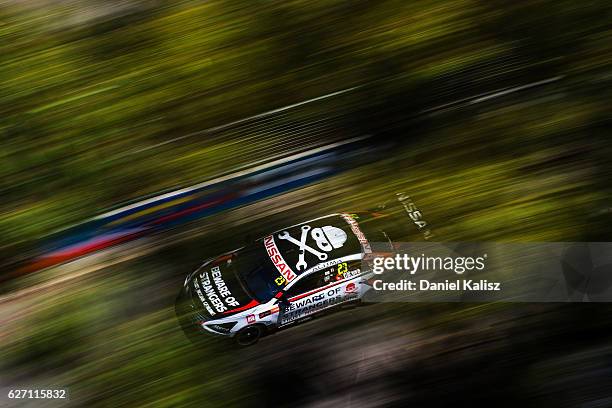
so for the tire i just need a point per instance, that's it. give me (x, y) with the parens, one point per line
(249, 335)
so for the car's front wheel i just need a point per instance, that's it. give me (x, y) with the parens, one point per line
(249, 335)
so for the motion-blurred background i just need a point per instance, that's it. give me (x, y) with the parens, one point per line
(494, 116)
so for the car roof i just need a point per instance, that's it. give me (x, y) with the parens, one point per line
(297, 250)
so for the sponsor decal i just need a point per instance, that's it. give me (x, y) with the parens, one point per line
(358, 233)
(350, 288)
(269, 312)
(326, 238)
(324, 265)
(352, 273)
(198, 291)
(311, 305)
(318, 297)
(306, 299)
(342, 272)
(277, 259)
(351, 296)
(219, 301)
(220, 327)
(222, 287)
(250, 319)
(414, 214)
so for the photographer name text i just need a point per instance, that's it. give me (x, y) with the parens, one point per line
(447, 285)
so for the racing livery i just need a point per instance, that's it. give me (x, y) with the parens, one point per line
(281, 279)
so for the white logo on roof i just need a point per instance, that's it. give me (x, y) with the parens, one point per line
(326, 238)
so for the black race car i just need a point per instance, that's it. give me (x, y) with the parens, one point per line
(290, 275)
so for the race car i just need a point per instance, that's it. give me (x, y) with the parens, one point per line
(286, 277)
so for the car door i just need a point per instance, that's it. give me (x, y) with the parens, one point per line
(316, 292)
(302, 299)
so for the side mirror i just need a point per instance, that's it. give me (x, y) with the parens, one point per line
(282, 300)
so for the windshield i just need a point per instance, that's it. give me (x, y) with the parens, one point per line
(257, 273)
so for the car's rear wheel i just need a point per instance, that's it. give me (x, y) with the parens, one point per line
(249, 335)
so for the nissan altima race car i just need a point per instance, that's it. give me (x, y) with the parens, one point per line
(286, 277)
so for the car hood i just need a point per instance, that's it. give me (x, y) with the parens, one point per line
(216, 290)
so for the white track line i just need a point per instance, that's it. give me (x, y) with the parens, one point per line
(472, 100)
(239, 121)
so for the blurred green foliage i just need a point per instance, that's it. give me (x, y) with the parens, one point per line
(86, 83)
(107, 353)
